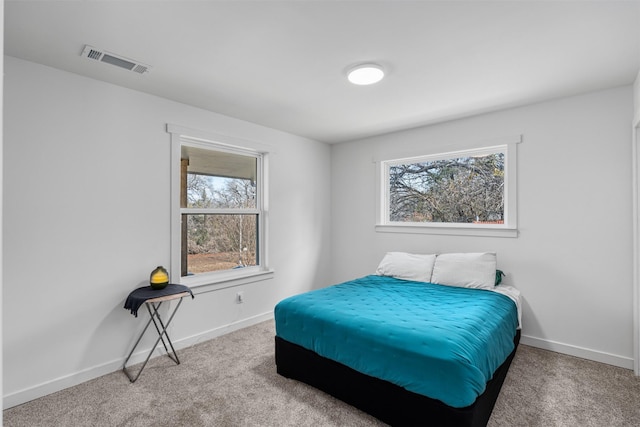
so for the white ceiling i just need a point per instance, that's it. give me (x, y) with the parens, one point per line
(282, 63)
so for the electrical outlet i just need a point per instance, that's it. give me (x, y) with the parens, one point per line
(239, 297)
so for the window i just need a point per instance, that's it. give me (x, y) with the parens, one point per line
(218, 221)
(462, 192)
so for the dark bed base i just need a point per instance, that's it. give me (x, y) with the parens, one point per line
(386, 401)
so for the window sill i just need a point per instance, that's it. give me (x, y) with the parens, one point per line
(449, 230)
(216, 281)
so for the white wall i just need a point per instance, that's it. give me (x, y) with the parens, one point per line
(636, 98)
(636, 237)
(86, 219)
(572, 260)
(1, 174)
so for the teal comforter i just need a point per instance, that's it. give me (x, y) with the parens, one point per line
(439, 341)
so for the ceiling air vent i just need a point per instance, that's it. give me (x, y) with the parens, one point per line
(117, 60)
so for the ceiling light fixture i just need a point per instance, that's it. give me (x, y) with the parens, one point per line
(365, 74)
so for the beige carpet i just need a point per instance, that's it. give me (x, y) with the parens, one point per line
(232, 381)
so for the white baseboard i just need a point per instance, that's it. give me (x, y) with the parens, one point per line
(22, 396)
(222, 330)
(583, 353)
(43, 389)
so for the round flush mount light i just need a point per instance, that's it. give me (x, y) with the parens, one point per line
(365, 74)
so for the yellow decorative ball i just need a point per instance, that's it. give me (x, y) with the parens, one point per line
(159, 278)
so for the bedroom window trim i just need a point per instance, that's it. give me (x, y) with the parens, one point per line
(180, 137)
(507, 145)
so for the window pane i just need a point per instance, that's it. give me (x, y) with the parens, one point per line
(205, 191)
(220, 242)
(455, 190)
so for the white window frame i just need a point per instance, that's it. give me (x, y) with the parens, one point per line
(221, 279)
(508, 145)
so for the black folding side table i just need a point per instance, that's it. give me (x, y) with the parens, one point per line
(147, 296)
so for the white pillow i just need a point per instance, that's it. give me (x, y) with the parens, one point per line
(402, 265)
(467, 270)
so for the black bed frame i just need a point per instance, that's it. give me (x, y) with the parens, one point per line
(386, 401)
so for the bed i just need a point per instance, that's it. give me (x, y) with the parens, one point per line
(402, 345)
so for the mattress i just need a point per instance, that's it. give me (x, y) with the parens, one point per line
(438, 341)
